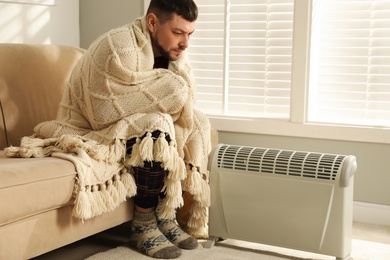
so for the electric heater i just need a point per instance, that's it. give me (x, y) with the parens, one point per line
(293, 199)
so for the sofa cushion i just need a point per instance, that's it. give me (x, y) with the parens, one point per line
(30, 186)
(32, 82)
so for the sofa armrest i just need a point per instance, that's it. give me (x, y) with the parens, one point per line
(32, 81)
(4, 125)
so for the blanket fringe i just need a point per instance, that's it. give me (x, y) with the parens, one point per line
(170, 164)
(176, 164)
(135, 158)
(129, 182)
(12, 151)
(122, 192)
(198, 212)
(173, 193)
(112, 191)
(146, 147)
(178, 175)
(166, 208)
(82, 206)
(197, 223)
(31, 142)
(204, 195)
(32, 147)
(199, 188)
(97, 205)
(193, 181)
(107, 198)
(161, 149)
(97, 199)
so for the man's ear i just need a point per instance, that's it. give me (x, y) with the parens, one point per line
(151, 22)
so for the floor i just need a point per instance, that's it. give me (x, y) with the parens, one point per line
(119, 235)
(82, 249)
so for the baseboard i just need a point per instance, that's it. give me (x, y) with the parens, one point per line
(371, 213)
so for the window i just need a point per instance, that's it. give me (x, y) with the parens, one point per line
(350, 62)
(314, 69)
(241, 55)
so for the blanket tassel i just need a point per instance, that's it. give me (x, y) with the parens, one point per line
(128, 182)
(135, 158)
(122, 192)
(146, 147)
(98, 206)
(193, 182)
(161, 149)
(82, 208)
(113, 192)
(106, 197)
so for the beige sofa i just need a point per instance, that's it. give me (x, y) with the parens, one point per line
(36, 194)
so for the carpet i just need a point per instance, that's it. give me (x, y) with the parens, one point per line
(241, 250)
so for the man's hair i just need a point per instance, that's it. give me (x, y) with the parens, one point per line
(164, 9)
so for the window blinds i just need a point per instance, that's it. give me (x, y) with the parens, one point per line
(241, 57)
(350, 62)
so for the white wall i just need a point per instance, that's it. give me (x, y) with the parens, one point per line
(35, 24)
(100, 16)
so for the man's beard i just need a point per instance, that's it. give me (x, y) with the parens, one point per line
(161, 50)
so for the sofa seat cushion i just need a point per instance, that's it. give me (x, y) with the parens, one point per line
(30, 186)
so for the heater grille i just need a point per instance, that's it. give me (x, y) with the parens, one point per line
(282, 162)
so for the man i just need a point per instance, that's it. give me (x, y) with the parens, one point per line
(128, 124)
(170, 24)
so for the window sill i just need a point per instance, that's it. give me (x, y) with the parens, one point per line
(284, 127)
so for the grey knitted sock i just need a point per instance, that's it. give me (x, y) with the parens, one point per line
(146, 236)
(176, 235)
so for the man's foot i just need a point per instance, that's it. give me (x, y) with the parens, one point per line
(146, 236)
(176, 235)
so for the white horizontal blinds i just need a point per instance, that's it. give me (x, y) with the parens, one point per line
(241, 56)
(260, 50)
(206, 54)
(350, 65)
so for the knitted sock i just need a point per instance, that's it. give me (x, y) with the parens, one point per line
(146, 236)
(176, 235)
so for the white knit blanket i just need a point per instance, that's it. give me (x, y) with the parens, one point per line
(113, 95)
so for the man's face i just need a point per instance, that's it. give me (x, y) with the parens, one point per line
(171, 38)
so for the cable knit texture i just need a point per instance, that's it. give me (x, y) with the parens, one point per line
(113, 95)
